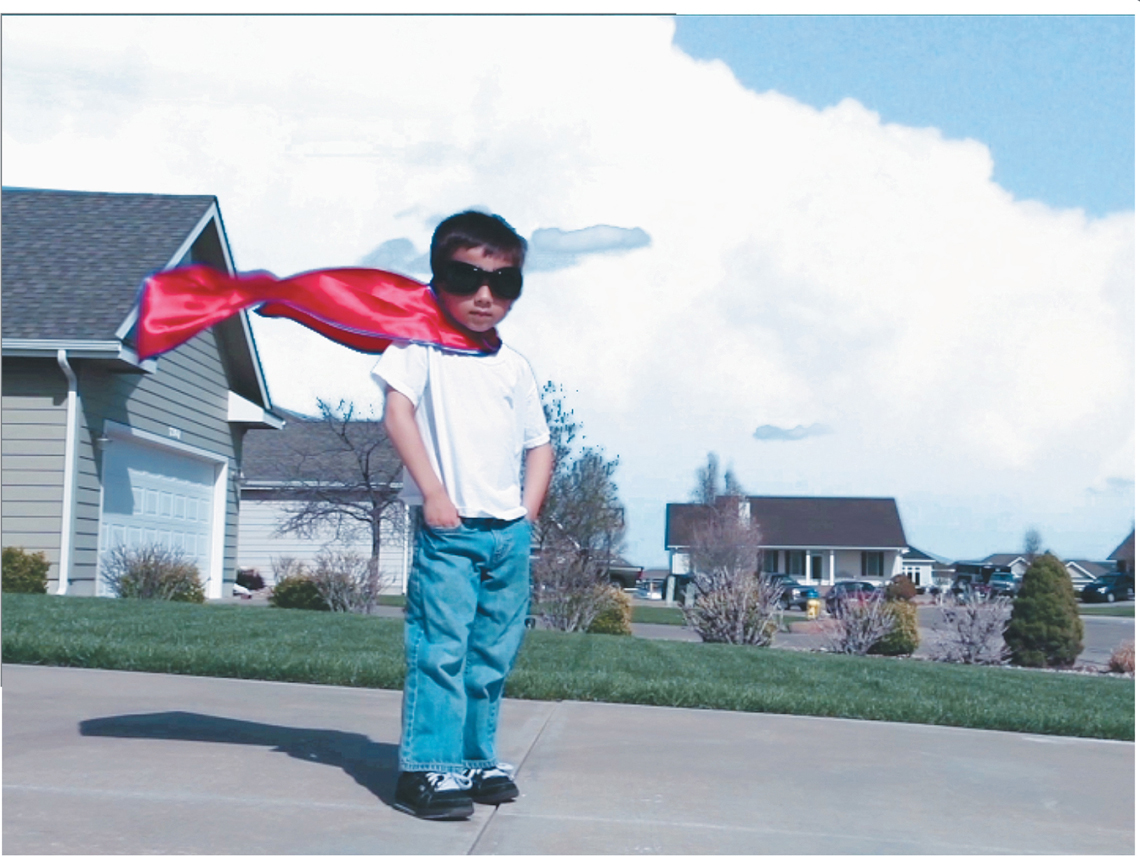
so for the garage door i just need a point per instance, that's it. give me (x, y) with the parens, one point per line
(151, 495)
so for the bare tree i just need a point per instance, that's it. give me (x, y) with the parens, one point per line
(733, 603)
(343, 477)
(858, 625)
(579, 532)
(1032, 543)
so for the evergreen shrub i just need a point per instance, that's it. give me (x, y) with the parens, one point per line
(298, 591)
(902, 640)
(1045, 628)
(616, 617)
(24, 573)
(152, 572)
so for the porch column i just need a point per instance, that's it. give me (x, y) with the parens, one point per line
(831, 567)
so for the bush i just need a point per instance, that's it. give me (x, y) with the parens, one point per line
(297, 591)
(152, 572)
(24, 573)
(345, 581)
(250, 579)
(1045, 628)
(858, 625)
(972, 632)
(1123, 659)
(902, 640)
(900, 588)
(616, 617)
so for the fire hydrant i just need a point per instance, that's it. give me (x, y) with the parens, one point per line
(813, 608)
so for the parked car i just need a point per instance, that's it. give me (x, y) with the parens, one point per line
(792, 592)
(1003, 584)
(846, 591)
(1109, 588)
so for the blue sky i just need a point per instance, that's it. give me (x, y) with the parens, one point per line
(1053, 96)
(852, 256)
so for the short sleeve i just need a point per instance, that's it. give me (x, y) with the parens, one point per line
(535, 430)
(403, 368)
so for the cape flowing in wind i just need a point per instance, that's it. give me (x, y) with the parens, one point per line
(360, 308)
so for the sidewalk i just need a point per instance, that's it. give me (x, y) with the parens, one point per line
(121, 762)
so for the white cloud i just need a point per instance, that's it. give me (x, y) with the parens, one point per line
(806, 267)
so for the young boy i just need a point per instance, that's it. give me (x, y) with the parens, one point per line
(461, 423)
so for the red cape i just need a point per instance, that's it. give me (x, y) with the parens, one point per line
(361, 308)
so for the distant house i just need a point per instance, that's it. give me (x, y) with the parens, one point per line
(815, 539)
(1125, 555)
(100, 447)
(919, 567)
(1083, 572)
(305, 462)
(1016, 563)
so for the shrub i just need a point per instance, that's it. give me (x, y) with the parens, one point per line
(902, 640)
(972, 632)
(739, 610)
(616, 617)
(858, 625)
(900, 588)
(1045, 627)
(345, 581)
(24, 573)
(249, 578)
(297, 591)
(1123, 659)
(152, 572)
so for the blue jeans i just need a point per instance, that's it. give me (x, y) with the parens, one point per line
(468, 598)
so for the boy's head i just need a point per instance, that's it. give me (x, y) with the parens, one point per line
(476, 264)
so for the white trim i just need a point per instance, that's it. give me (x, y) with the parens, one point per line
(243, 411)
(113, 429)
(211, 214)
(79, 348)
(67, 521)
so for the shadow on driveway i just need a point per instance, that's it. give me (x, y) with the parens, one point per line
(372, 765)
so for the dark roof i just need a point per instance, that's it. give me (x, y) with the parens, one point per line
(72, 262)
(805, 522)
(1126, 550)
(1004, 559)
(309, 450)
(917, 555)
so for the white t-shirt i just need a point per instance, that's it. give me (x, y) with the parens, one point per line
(476, 415)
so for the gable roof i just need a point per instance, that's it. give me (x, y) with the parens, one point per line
(804, 522)
(1004, 559)
(1127, 549)
(914, 555)
(73, 262)
(308, 451)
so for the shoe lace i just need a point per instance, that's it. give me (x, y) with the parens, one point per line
(449, 781)
(500, 769)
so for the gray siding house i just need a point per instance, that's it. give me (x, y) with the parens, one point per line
(99, 447)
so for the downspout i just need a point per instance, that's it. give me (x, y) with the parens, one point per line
(67, 523)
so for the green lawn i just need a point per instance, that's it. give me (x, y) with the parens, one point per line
(658, 615)
(1121, 610)
(353, 650)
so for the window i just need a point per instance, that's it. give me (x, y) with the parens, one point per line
(771, 560)
(796, 560)
(872, 563)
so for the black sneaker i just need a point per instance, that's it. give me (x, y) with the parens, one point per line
(434, 796)
(492, 785)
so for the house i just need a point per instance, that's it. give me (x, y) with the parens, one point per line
(919, 567)
(1083, 572)
(100, 447)
(1016, 563)
(1125, 556)
(307, 462)
(815, 539)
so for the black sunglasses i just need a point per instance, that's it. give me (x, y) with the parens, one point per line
(462, 279)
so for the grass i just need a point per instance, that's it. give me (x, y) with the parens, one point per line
(658, 615)
(353, 650)
(1120, 610)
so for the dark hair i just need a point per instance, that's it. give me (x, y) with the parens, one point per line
(475, 229)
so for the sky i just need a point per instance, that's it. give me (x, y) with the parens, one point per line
(852, 256)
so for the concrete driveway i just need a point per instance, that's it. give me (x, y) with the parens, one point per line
(121, 762)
